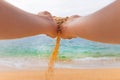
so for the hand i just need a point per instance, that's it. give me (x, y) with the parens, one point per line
(68, 29)
(51, 25)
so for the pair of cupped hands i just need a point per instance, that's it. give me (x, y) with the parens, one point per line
(67, 29)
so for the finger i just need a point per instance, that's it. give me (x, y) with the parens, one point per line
(45, 13)
(75, 16)
(53, 35)
(67, 38)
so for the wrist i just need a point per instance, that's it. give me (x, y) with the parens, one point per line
(80, 28)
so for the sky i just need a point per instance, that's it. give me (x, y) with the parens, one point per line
(62, 7)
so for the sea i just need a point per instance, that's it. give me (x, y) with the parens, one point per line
(34, 52)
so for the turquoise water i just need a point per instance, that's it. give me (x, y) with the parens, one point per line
(42, 46)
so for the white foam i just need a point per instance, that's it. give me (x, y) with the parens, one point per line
(36, 63)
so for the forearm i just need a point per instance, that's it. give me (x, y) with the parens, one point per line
(15, 23)
(102, 26)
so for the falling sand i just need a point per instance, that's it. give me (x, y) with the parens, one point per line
(50, 72)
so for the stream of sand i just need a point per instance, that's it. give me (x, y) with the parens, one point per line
(50, 71)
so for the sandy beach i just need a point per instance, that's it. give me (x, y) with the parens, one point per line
(63, 74)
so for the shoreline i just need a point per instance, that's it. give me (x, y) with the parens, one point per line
(80, 69)
(38, 63)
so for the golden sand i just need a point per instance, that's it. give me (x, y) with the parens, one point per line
(50, 72)
(64, 74)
